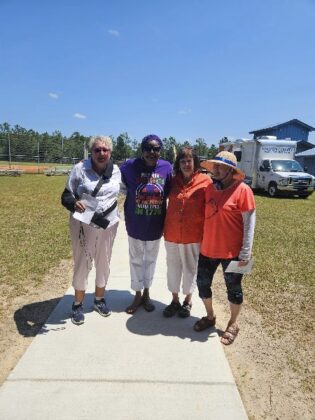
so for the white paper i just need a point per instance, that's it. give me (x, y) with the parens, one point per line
(90, 207)
(233, 267)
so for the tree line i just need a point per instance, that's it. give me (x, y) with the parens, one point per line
(20, 144)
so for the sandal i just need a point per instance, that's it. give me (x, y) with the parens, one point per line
(204, 323)
(185, 309)
(229, 335)
(147, 304)
(131, 309)
(171, 309)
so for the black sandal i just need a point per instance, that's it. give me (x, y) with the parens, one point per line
(131, 309)
(185, 309)
(147, 304)
(171, 309)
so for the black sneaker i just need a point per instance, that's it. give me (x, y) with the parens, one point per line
(185, 309)
(101, 307)
(171, 309)
(77, 316)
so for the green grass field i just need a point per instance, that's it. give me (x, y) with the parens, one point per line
(282, 281)
(34, 238)
(33, 230)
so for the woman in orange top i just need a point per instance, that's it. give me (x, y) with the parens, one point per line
(228, 236)
(183, 229)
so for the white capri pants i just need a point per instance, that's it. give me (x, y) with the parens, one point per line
(142, 261)
(91, 244)
(182, 262)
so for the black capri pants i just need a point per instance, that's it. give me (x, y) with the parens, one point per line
(206, 269)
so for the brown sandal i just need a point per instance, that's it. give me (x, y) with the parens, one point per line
(229, 335)
(204, 323)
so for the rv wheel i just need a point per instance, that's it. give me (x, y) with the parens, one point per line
(272, 189)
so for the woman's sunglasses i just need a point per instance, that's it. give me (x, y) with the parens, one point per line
(101, 149)
(152, 149)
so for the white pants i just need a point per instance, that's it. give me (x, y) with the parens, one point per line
(182, 262)
(90, 244)
(142, 260)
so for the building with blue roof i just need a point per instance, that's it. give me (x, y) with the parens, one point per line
(293, 129)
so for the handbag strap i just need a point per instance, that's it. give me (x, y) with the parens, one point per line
(111, 208)
(105, 177)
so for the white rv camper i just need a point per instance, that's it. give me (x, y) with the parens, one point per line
(269, 164)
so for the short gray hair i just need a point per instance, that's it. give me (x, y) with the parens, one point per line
(106, 140)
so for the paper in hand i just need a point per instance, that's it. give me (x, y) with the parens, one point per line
(233, 267)
(90, 207)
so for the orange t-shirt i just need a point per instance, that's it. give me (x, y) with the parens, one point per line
(223, 227)
(186, 210)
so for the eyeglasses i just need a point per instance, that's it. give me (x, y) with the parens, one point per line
(152, 148)
(101, 149)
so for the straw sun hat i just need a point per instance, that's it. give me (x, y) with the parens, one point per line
(227, 159)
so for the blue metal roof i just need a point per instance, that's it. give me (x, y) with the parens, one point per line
(309, 152)
(294, 121)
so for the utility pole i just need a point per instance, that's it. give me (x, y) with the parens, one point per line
(38, 156)
(9, 151)
(85, 151)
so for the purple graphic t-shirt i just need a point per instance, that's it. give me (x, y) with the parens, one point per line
(147, 190)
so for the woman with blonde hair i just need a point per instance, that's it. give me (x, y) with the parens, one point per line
(92, 242)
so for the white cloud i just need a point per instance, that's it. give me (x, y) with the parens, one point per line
(113, 32)
(53, 95)
(80, 116)
(184, 111)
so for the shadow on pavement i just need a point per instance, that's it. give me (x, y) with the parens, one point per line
(30, 318)
(153, 323)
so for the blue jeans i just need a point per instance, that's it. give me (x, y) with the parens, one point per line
(206, 269)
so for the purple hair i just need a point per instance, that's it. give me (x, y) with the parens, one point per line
(149, 138)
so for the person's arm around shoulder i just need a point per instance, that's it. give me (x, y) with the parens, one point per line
(168, 179)
(123, 184)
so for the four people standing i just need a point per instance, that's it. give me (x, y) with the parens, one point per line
(219, 214)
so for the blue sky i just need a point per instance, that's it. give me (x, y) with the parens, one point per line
(182, 68)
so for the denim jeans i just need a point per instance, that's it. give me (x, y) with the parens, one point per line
(206, 269)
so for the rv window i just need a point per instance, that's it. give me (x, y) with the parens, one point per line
(266, 164)
(238, 155)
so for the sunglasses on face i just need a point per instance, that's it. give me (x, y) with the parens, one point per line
(101, 149)
(152, 149)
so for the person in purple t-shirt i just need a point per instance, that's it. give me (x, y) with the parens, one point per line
(146, 182)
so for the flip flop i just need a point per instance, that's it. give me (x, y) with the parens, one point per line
(229, 335)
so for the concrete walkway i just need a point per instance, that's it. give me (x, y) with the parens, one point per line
(122, 367)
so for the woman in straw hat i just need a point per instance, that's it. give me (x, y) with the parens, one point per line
(228, 235)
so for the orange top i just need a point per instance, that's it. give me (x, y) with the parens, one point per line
(223, 228)
(186, 209)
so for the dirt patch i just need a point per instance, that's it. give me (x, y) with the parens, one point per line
(272, 372)
(22, 317)
(265, 368)
(29, 169)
